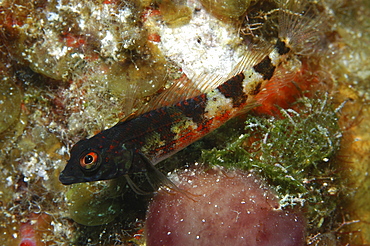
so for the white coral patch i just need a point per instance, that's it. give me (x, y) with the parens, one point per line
(204, 46)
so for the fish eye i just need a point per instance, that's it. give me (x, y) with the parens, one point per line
(89, 161)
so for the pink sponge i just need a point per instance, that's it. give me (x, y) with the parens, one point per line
(231, 208)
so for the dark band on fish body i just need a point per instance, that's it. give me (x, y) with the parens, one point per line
(265, 68)
(194, 108)
(233, 88)
(166, 135)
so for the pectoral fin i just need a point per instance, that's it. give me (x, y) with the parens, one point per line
(155, 178)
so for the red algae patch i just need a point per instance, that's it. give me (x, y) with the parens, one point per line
(223, 208)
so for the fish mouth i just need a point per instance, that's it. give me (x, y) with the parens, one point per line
(67, 179)
(72, 179)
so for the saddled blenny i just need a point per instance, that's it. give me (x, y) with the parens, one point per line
(137, 143)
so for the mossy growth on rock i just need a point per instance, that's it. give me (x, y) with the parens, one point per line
(293, 153)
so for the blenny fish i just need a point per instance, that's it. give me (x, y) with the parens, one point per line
(136, 144)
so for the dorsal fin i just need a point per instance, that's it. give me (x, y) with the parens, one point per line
(183, 89)
(128, 117)
(130, 102)
(186, 88)
(253, 55)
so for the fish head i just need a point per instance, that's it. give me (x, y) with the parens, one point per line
(96, 159)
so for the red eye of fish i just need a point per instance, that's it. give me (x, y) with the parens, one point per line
(89, 161)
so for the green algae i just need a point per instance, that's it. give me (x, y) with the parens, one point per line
(226, 9)
(293, 154)
(147, 74)
(10, 103)
(95, 203)
(108, 212)
(174, 15)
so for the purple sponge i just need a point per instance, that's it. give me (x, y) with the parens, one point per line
(230, 208)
